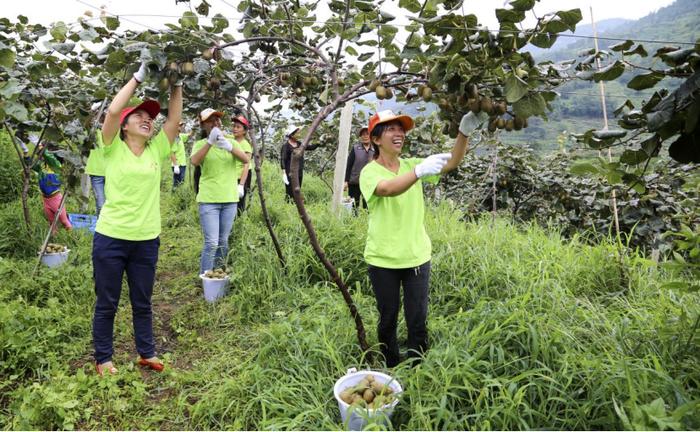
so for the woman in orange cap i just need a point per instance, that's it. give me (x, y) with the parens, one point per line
(398, 248)
(127, 232)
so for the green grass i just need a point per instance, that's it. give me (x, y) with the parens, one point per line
(528, 331)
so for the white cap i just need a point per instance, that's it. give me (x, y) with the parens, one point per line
(291, 129)
(205, 114)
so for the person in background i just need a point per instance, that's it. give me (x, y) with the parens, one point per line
(49, 170)
(95, 168)
(291, 143)
(240, 130)
(178, 158)
(217, 199)
(360, 154)
(398, 249)
(128, 229)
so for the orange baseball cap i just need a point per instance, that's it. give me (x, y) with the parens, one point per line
(150, 106)
(387, 116)
(242, 120)
(205, 114)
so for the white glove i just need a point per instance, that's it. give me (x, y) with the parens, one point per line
(432, 165)
(285, 179)
(214, 136)
(140, 75)
(176, 168)
(241, 191)
(223, 143)
(471, 122)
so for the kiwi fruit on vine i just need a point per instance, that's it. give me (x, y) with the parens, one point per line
(472, 91)
(188, 68)
(380, 92)
(389, 94)
(510, 124)
(427, 94)
(308, 80)
(373, 85)
(341, 82)
(500, 108)
(493, 125)
(173, 67)
(214, 83)
(257, 98)
(164, 84)
(208, 54)
(298, 91)
(518, 123)
(524, 122)
(500, 123)
(446, 129)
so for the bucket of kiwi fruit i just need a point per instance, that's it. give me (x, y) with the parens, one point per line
(215, 284)
(54, 255)
(366, 397)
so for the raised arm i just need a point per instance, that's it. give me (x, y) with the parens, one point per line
(111, 125)
(172, 123)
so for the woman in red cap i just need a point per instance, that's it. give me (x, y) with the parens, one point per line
(240, 130)
(127, 232)
(398, 248)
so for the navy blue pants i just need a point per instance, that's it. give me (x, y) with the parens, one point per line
(110, 259)
(179, 178)
(386, 284)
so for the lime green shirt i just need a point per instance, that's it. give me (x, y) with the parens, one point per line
(96, 163)
(178, 148)
(396, 236)
(247, 148)
(218, 181)
(132, 190)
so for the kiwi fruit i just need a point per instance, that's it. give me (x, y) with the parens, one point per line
(501, 123)
(164, 84)
(472, 91)
(389, 94)
(208, 54)
(486, 105)
(510, 125)
(214, 83)
(188, 68)
(368, 393)
(492, 125)
(500, 108)
(518, 123)
(427, 94)
(373, 85)
(380, 92)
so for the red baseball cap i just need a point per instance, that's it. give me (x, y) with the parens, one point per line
(387, 116)
(242, 120)
(150, 106)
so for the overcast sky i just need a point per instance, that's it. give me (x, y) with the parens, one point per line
(139, 14)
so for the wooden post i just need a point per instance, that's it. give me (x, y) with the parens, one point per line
(613, 198)
(341, 156)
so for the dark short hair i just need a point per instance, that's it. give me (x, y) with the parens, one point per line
(363, 130)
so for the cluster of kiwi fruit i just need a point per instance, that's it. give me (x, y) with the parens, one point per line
(53, 248)
(173, 72)
(216, 274)
(379, 90)
(368, 393)
(471, 100)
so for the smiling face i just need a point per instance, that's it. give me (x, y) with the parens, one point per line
(238, 130)
(139, 123)
(391, 139)
(364, 137)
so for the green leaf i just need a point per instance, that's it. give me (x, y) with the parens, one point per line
(189, 21)
(111, 22)
(10, 88)
(350, 50)
(115, 61)
(610, 72)
(583, 168)
(633, 157)
(365, 56)
(387, 32)
(639, 50)
(203, 8)
(645, 80)
(7, 58)
(219, 22)
(509, 16)
(411, 5)
(515, 88)
(530, 105)
(16, 110)
(59, 31)
(571, 17)
(522, 5)
(622, 46)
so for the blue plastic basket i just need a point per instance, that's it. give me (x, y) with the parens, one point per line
(82, 221)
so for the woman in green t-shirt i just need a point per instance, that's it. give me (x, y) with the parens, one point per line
(398, 248)
(127, 232)
(217, 197)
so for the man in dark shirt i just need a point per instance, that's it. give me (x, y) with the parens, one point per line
(288, 147)
(360, 155)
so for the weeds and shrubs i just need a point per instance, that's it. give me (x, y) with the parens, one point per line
(527, 330)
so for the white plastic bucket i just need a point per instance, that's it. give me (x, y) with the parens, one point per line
(55, 259)
(348, 205)
(356, 418)
(214, 288)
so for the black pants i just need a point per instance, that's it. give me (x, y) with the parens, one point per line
(246, 188)
(386, 284)
(288, 188)
(354, 192)
(112, 257)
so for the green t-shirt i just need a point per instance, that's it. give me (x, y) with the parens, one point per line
(178, 148)
(218, 180)
(96, 164)
(247, 148)
(132, 190)
(396, 237)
